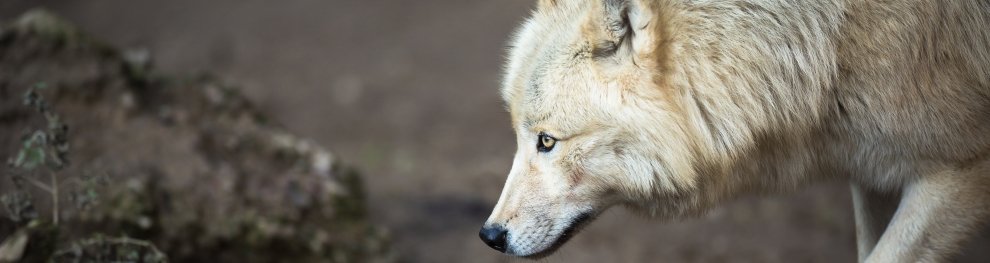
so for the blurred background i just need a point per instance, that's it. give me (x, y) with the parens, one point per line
(406, 94)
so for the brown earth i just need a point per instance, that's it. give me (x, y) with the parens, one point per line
(407, 91)
(184, 163)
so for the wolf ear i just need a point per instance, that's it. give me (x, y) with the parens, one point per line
(630, 20)
(617, 18)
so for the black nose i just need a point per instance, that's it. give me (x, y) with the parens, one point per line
(494, 236)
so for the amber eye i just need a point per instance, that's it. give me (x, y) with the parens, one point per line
(545, 142)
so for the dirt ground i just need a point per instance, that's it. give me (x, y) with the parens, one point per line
(407, 91)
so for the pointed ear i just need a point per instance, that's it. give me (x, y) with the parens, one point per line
(633, 21)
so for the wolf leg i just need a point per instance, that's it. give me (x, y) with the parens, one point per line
(937, 214)
(873, 210)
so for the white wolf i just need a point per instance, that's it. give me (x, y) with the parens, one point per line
(671, 107)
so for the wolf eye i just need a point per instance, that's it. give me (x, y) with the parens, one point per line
(545, 142)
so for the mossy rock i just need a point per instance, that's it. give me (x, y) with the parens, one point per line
(194, 168)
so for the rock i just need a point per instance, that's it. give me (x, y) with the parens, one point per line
(194, 168)
(12, 249)
(32, 243)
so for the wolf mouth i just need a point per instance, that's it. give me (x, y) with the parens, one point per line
(578, 223)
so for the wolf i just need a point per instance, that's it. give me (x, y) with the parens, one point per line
(672, 107)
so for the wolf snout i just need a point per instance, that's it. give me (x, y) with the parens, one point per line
(494, 236)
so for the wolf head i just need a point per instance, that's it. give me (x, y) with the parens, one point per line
(594, 126)
(666, 107)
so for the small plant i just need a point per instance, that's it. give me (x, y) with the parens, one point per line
(103, 249)
(42, 151)
(45, 151)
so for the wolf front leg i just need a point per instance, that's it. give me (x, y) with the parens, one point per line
(937, 214)
(873, 210)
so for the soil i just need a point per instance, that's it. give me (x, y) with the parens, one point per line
(407, 92)
(185, 163)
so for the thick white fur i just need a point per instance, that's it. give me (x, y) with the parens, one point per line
(671, 107)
